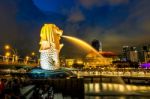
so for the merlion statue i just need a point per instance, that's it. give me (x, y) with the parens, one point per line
(50, 46)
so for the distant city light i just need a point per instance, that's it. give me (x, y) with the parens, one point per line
(145, 65)
(7, 54)
(7, 47)
(33, 53)
(27, 57)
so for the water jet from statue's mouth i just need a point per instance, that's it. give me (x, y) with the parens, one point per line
(81, 43)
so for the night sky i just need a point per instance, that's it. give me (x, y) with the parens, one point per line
(114, 22)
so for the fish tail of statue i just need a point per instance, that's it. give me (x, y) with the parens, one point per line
(50, 47)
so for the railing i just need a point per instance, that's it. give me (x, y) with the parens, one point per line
(137, 73)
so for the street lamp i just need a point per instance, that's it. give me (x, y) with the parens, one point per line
(34, 57)
(7, 47)
(33, 53)
(27, 59)
(7, 54)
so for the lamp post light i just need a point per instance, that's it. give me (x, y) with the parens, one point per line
(35, 57)
(7, 54)
(33, 53)
(7, 47)
(27, 59)
(14, 57)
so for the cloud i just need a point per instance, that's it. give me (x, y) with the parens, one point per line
(141, 16)
(134, 31)
(76, 16)
(138, 21)
(117, 1)
(92, 3)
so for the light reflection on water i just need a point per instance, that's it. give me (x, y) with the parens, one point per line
(115, 91)
(114, 97)
(111, 91)
(98, 87)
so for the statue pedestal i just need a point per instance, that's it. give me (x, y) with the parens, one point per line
(39, 73)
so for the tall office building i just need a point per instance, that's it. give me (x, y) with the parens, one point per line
(97, 45)
(149, 47)
(133, 54)
(130, 54)
(100, 48)
(145, 53)
(125, 52)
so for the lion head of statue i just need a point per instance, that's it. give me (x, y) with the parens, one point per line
(50, 37)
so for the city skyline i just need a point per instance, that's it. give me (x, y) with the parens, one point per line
(114, 22)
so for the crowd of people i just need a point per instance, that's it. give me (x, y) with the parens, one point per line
(10, 88)
(43, 92)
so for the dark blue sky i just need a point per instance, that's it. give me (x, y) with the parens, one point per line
(114, 22)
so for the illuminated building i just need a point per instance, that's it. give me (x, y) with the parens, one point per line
(125, 53)
(145, 54)
(100, 48)
(133, 54)
(145, 65)
(70, 62)
(50, 46)
(130, 54)
(92, 60)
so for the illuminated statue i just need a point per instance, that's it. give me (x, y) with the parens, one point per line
(50, 46)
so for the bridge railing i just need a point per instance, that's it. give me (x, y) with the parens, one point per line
(138, 73)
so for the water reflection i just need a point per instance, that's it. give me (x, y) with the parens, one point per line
(113, 73)
(111, 91)
(110, 87)
(115, 91)
(115, 97)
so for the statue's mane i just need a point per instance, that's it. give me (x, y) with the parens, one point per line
(53, 28)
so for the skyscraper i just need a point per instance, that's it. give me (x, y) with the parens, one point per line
(125, 52)
(97, 45)
(130, 54)
(146, 53)
(133, 54)
(100, 48)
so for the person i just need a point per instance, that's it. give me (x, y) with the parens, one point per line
(16, 87)
(2, 87)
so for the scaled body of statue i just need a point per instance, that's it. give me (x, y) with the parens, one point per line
(50, 46)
